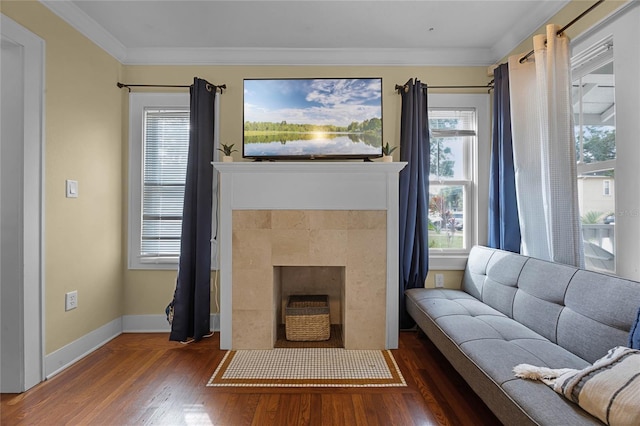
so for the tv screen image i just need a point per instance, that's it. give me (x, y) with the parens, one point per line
(331, 118)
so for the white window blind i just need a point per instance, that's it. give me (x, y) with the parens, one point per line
(166, 145)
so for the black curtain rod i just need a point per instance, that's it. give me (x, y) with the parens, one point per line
(222, 87)
(561, 30)
(405, 88)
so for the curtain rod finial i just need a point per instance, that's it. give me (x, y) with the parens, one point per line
(121, 85)
(401, 89)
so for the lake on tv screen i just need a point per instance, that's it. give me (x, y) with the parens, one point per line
(312, 144)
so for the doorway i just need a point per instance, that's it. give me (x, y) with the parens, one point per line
(21, 201)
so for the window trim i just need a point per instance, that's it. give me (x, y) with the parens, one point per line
(480, 157)
(137, 104)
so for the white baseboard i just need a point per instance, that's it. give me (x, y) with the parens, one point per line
(214, 322)
(157, 323)
(145, 324)
(66, 356)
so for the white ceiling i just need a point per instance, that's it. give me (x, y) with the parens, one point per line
(307, 32)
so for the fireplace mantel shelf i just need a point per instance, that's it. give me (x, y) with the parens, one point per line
(310, 185)
(315, 166)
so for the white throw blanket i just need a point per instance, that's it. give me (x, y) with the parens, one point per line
(609, 389)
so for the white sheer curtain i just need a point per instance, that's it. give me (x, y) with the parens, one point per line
(544, 151)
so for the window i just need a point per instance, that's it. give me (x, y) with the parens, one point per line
(595, 132)
(455, 129)
(158, 144)
(618, 36)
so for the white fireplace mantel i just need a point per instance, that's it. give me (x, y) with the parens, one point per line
(308, 186)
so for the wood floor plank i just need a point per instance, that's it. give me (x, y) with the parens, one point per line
(144, 379)
(362, 411)
(266, 410)
(343, 409)
(288, 412)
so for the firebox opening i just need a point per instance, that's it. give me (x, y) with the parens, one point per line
(310, 280)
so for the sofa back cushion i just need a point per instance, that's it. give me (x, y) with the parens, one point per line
(501, 284)
(598, 314)
(585, 312)
(475, 272)
(540, 296)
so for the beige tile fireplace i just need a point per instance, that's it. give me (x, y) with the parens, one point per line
(302, 220)
(265, 241)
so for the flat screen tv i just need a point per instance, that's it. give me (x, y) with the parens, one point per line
(319, 118)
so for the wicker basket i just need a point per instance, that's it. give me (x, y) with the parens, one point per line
(307, 318)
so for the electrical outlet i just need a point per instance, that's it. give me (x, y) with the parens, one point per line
(71, 300)
(439, 280)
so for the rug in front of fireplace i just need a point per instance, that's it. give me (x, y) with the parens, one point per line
(308, 367)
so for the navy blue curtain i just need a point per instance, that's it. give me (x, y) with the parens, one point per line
(504, 227)
(191, 303)
(414, 193)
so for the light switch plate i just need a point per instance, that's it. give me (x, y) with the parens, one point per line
(72, 188)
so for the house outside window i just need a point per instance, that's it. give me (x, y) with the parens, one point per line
(158, 151)
(595, 132)
(456, 123)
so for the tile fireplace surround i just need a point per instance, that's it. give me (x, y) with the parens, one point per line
(340, 216)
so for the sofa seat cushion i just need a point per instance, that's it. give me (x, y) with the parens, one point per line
(493, 341)
(445, 302)
(498, 357)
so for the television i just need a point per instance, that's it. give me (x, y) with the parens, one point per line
(315, 118)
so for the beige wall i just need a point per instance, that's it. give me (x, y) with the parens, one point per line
(83, 247)
(452, 279)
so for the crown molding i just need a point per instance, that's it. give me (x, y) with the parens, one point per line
(88, 27)
(308, 57)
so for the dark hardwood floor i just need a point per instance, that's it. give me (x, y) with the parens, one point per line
(143, 379)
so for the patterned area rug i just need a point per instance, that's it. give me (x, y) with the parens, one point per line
(308, 367)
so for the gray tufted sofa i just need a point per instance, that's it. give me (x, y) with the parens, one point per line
(514, 309)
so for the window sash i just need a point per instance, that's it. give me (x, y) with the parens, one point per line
(586, 76)
(166, 149)
(447, 152)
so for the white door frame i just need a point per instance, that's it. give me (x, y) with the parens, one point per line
(22, 339)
